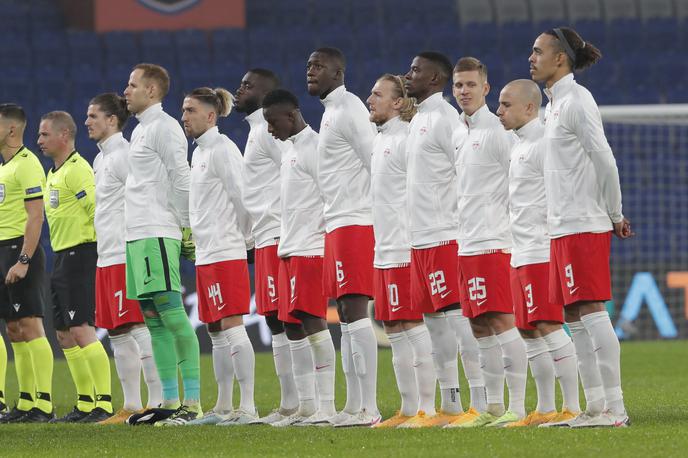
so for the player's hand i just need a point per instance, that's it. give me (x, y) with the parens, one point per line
(16, 273)
(622, 229)
(188, 245)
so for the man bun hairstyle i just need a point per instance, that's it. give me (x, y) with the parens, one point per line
(13, 111)
(408, 106)
(280, 97)
(157, 74)
(440, 60)
(112, 105)
(469, 64)
(219, 98)
(581, 54)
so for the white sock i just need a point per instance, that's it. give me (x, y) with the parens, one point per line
(304, 375)
(364, 355)
(244, 360)
(322, 349)
(150, 370)
(515, 369)
(283, 368)
(470, 357)
(542, 369)
(224, 371)
(493, 372)
(402, 361)
(587, 368)
(445, 351)
(608, 353)
(423, 367)
(128, 364)
(563, 355)
(353, 390)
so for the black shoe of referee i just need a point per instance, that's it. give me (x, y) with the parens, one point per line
(97, 414)
(36, 415)
(72, 417)
(13, 416)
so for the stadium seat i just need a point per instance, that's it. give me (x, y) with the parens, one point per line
(546, 14)
(475, 12)
(584, 10)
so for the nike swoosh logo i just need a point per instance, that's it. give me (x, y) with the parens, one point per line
(180, 362)
(445, 294)
(293, 299)
(220, 308)
(147, 280)
(396, 309)
(532, 310)
(274, 300)
(481, 302)
(317, 368)
(235, 352)
(595, 350)
(556, 360)
(121, 314)
(341, 285)
(572, 291)
(145, 417)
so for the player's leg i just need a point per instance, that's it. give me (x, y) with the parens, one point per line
(565, 363)
(3, 374)
(282, 356)
(142, 336)
(23, 366)
(402, 363)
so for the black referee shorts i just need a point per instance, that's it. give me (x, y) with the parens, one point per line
(73, 286)
(26, 297)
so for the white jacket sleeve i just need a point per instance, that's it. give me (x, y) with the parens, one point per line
(173, 149)
(228, 164)
(360, 135)
(587, 125)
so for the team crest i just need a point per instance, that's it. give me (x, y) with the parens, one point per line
(423, 130)
(2, 192)
(293, 161)
(169, 6)
(387, 152)
(555, 115)
(476, 145)
(54, 198)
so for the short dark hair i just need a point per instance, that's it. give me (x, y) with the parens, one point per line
(156, 73)
(333, 53)
(443, 63)
(585, 54)
(13, 111)
(112, 105)
(280, 97)
(270, 76)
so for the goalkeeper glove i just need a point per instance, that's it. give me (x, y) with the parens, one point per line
(188, 245)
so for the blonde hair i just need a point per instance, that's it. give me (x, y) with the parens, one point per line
(408, 107)
(219, 98)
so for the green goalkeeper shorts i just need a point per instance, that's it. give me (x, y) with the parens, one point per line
(152, 267)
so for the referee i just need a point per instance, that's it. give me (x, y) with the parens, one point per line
(22, 273)
(70, 208)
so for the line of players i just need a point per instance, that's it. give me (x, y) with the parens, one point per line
(379, 216)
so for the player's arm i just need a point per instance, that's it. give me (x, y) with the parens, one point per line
(229, 167)
(586, 123)
(81, 182)
(449, 133)
(360, 135)
(172, 147)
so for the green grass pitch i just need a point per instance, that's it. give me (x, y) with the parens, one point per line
(655, 382)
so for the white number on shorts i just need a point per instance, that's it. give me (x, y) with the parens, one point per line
(120, 302)
(393, 294)
(437, 284)
(215, 294)
(529, 295)
(568, 271)
(340, 271)
(476, 288)
(292, 285)
(271, 287)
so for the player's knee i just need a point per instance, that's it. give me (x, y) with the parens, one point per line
(295, 331)
(274, 324)
(150, 314)
(14, 331)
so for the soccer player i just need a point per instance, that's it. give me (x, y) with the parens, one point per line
(261, 177)
(344, 148)
(22, 273)
(482, 167)
(221, 227)
(431, 180)
(157, 221)
(583, 209)
(131, 343)
(550, 350)
(70, 208)
(302, 300)
(391, 110)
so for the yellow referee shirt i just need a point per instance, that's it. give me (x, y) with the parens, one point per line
(21, 178)
(70, 203)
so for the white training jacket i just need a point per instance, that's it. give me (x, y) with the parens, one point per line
(434, 133)
(261, 176)
(482, 175)
(388, 186)
(581, 177)
(527, 198)
(157, 190)
(221, 225)
(303, 222)
(111, 168)
(344, 148)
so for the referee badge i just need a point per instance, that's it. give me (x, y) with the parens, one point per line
(54, 198)
(2, 192)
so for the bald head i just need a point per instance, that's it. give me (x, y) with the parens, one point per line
(519, 103)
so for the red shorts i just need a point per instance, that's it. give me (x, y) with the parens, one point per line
(223, 290)
(300, 288)
(113, 309)
(265, 279)
(579, 268)
(348, 262)
(484, 281)
(393, 295)
(530, 295)
(434, 277)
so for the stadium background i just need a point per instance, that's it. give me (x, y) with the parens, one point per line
(58, 54)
